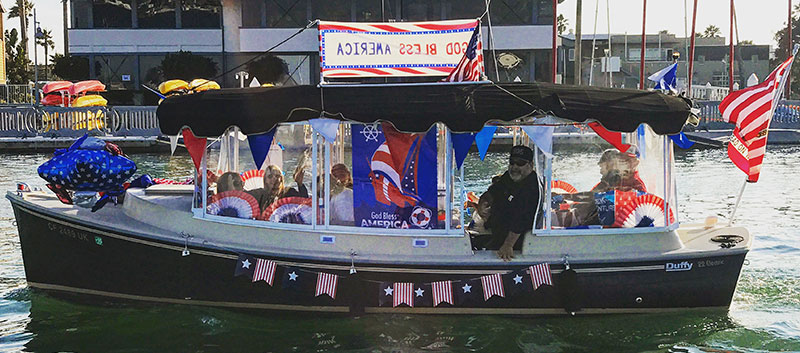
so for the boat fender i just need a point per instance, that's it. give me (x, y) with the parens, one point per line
(569, 292)
(727, 241)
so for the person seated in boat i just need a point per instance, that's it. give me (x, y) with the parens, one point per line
(618, 170)
(274, 189)
(229, 181)
(516, 203)
(341, 196)
(483, 208)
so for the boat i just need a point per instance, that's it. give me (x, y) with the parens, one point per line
(407, 245)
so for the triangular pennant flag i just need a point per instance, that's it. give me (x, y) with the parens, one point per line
(462, 141)
(681, 140)
(542, 136)
(483, 138)
(196, 147)
(614, 138)
(259, 146)
(326, 127)
(173, 144)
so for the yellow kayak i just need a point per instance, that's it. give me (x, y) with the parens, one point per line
(201, 84)
(91, 100)
(173, 87)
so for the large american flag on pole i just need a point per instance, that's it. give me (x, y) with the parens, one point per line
(470, 68)
(540, 274)
(403, 294)
(751, 110)
(492, 285)
(265, 270)
(442, 292)
(326, 284)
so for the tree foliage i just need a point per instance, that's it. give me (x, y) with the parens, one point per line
(71, 68)
(711, 31)
(269, 69)
(562, 24)
(187, 66)
(16, 62)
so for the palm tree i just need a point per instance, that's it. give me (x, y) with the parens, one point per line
(27, 9)
(46, 40)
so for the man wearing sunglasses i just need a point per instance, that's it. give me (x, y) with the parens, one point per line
(516, 203)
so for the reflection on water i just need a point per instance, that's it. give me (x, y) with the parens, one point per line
(765, 315)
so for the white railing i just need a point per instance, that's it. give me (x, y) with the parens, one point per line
(709, 93)
(27, 121)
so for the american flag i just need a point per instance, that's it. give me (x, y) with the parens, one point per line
(492, 285)
(751, 110)
(540, 274)
(265, 270)
(326, 284)
(470, 68)
(442, 292)
(403, 294)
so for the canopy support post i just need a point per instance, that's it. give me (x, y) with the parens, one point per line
(204, 178)
(448, 183)
(314, 186)
(326, 204)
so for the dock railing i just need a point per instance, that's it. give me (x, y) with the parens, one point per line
(28, 121)
(787, 115)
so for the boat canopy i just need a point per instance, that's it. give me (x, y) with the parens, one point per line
(462, 107)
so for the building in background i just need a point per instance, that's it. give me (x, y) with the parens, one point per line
(710, 64)
(125, 40)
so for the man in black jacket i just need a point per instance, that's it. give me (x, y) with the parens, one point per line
(516, 203)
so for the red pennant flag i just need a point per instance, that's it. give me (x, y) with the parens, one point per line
(492, 285)
(196, 147)
(540, 274)
(326, 284)
(265, 271)
(403, 294)
(614, 138)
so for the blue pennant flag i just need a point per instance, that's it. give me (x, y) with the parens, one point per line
(666, 79)
(483, 138)
(259, 146)
(462, 141)
(681, 140)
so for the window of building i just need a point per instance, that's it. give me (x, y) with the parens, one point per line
(422, 10)
(367, 10)
(460, 9)
(112, 69)
(111, 14)
(253, 13)
(81, 13)
(201, 13)
(512, 12)
(155, 13)
(331, 10)
(287, 13)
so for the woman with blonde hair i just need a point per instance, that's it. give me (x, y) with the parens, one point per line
(274, 188)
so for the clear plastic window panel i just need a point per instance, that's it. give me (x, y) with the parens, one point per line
(595, 185)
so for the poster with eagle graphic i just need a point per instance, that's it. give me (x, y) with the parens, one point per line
(394, 177)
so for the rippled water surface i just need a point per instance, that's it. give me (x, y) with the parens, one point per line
(764, 316)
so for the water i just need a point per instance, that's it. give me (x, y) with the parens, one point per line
(764, 316)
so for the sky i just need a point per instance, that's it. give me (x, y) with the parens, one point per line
(758, 19)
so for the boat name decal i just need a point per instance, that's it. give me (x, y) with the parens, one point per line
(710, 263)
(72, 233)
(683, 266)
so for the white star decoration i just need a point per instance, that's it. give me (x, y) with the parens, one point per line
(293, 276)
(517, 279)
(419, 292)
(245, 264)
(467, 288)
(388, 290)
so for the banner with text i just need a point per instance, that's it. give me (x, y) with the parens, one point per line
(377, 49)
(394, 177)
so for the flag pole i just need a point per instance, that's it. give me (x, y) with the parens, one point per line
(780, 92)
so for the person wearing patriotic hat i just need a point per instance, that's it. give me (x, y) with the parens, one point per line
(516, 203)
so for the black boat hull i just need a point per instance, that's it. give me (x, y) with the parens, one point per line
(62, 255)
